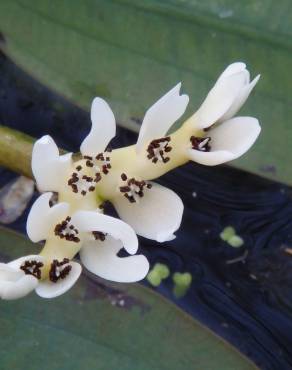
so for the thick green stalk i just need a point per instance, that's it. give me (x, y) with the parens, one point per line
(15, 150)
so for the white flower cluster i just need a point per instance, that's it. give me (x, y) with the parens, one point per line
(77, 223)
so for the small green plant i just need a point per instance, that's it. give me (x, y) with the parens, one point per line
(229, 236)
(158, 273)
(182, 283)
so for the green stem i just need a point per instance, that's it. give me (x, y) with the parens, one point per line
(15, 150)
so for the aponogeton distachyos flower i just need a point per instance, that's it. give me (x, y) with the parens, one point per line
(124, 177)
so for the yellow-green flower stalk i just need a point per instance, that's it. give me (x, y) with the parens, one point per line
(124, 177)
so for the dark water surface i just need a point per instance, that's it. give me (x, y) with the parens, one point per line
(249, 302)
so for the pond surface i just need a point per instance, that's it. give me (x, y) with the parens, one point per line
(243, 294)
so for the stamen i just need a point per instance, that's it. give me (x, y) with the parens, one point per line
(158, 148)
(100, 163)
(82, 183)
(65, 230)
(59, 270)
(33, 268)
(98, 235)
(133, 189)
(201, 143)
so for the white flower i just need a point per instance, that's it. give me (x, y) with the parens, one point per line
(152, 210)
(211, 136)
(20, 277)
(225, 141)
(14, 283)
(53, 171)
(53, 272)
(224, 138)
(160, 117)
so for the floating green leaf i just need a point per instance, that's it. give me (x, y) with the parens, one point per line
(98, 325)
(133, 51)
(229, 236)
(157, 274)
(227, 233)
(235, 241)
(154, 278)
(162, 269)
(182, 283)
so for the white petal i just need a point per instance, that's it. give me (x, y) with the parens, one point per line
(14, 283)
(229, 140)
(103, 128)
(10, 273)
(161, 116)
(100, 258)
(240, 100)
(49, 169)
(88, 221)
(42, 217)
(219, 100)
(20, 288)
(212, 158)
(232, 69)
(156, 216)
(48, 289)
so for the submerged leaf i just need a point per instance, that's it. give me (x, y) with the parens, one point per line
(104, 326)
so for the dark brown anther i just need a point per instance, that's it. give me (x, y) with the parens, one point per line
(130, 198)
(81, 183)
(100, 162)
(133, 188)
(65, 230)
(59, 269)
(98, 235)
(201, 143)
(32, 268)
(100, 157)
(158, 148)
(125, 189)
(97, 177)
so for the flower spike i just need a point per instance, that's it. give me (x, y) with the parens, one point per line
(211, 136)
(53, 272)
